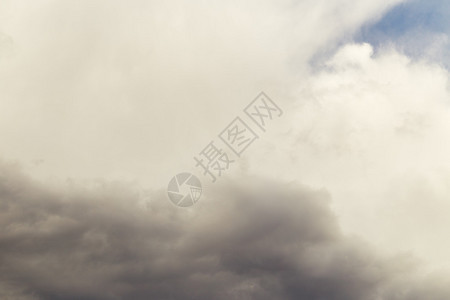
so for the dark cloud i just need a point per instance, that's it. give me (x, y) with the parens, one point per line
(248, 240)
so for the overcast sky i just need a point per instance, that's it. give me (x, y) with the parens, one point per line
(346, 195)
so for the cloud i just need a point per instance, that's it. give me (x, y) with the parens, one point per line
(372, 127)
(133, 91)
(96, 89)
(250, 240)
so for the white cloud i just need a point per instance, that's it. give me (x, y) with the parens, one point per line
(108, 89)
(374, 130)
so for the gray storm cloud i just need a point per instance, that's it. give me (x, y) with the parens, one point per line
(250, 240)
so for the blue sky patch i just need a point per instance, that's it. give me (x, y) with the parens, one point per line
(419, 28)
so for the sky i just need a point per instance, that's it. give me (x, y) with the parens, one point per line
(344, 194)
(418, 29)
